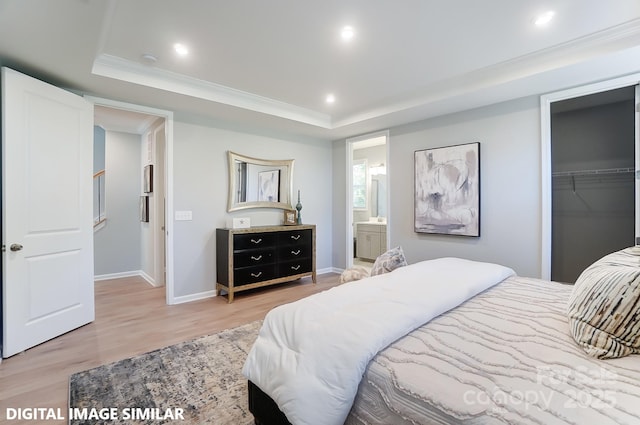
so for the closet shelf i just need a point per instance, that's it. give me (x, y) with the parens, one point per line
(593, 172)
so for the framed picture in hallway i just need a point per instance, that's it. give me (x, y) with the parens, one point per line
(148, 179)
(447, 190)
(144, 209)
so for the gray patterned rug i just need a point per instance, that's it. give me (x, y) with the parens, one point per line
(202, 377)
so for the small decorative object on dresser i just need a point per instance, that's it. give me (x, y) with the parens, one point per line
(299, 207)
(289, 217)
(239, 223)
(262, 256)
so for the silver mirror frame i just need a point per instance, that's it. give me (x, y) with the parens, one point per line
(235, 206)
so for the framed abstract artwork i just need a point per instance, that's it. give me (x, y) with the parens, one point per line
(447, 190)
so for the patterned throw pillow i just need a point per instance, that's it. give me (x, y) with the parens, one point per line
(354, 273)
(604, 307)
(389, 261)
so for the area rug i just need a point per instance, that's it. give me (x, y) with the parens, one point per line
(200, 379)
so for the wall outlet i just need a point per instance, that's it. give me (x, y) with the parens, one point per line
(184, 216)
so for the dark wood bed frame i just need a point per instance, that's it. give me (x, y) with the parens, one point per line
(265, 411)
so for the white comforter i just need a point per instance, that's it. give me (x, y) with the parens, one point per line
(310, 355)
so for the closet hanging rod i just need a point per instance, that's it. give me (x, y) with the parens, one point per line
(594, 172)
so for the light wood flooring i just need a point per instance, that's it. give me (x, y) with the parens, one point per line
(131, 318)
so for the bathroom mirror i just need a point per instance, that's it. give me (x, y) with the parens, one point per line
(259, 183)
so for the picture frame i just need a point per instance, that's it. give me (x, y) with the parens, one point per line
(148, 179)
(144, 209)
(447, 190)
(289, 217)
(269, 186)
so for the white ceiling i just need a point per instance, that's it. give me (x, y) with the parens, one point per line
(267, 65)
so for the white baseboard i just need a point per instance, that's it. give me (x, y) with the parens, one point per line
(194, 297)
(116, 275)
(325, 271)
(120, 275)
(330, 270)
(149, 279)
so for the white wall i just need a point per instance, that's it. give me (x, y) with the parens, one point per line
(117, 244)
(200, 186)
(509, 136)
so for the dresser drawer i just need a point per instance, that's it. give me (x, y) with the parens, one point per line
(246, 275)
(293, 252)
(295, 237)
(253, 257)
(253, 240)
(289, 268)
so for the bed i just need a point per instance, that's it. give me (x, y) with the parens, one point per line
(504, 355)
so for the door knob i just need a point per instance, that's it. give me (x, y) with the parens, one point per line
(16, 247)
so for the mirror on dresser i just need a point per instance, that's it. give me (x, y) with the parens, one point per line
(259, 183)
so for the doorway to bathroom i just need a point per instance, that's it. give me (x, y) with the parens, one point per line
(368, 198)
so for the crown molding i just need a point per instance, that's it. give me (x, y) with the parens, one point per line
(121, 69)
(580, 50)
(583, 49)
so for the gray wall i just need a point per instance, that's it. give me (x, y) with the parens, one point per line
(509, 136)
(98, 149)
(117, 244)
(200, 186)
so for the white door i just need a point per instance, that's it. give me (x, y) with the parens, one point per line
(47, 149)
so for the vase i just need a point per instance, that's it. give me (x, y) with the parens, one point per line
(299, 207)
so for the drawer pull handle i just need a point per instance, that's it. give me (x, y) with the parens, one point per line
(296, 252)
(295, 267)
(295, 238)
(258, 258)
(256, 274)
(256, 241)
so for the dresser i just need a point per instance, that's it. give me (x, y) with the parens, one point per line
(263, 255)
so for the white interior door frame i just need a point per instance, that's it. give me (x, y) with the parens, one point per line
(349, 173)
(168, 178)
(637, 164)
(545, 158)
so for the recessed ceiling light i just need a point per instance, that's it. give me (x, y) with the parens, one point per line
(545, 18)
(330, 98)
(149, 59)
(347, 33)
(181, 49)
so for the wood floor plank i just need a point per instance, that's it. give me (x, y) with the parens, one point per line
(131, 318)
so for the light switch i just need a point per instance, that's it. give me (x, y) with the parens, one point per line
(184, 216)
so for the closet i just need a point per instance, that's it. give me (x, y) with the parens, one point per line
(593, 175)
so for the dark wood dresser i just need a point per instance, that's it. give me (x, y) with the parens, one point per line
(263, 255)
